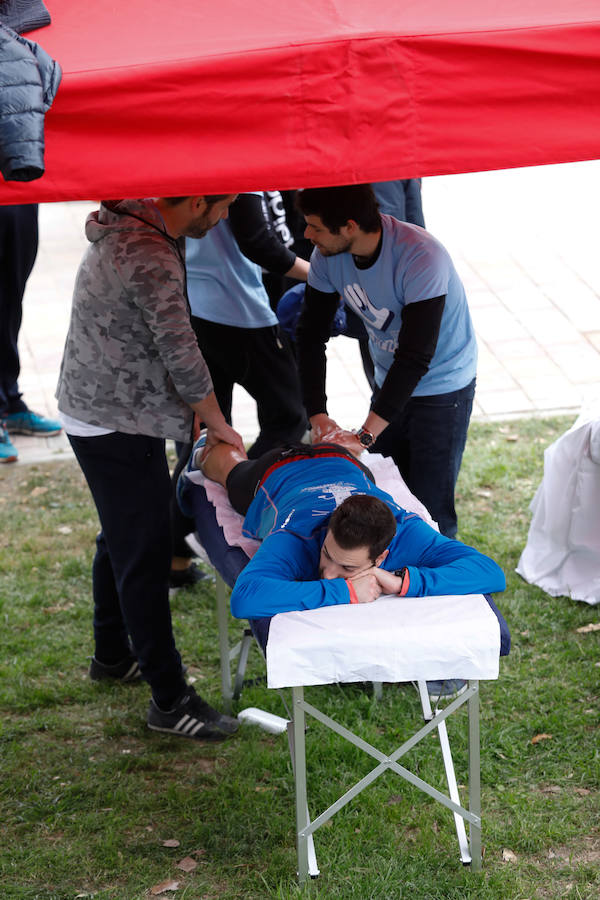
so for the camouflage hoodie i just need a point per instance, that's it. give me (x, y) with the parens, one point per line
(131, 361)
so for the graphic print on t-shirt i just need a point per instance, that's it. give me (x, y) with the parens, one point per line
(358, 299)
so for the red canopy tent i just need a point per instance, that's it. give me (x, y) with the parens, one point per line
(173, 99)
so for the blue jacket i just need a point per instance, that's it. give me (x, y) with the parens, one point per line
(290, 515)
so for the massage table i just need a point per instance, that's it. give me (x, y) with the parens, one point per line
(391, 640)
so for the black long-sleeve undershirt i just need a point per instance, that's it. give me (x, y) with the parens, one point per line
(417, 341)
(256, 237)
(312, 333)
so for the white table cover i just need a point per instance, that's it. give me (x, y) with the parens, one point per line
(392, 639)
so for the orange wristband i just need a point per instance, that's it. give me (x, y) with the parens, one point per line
(353, 597)
(404, 574)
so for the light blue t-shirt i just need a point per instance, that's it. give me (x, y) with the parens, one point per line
(411, 266)
(223, 285)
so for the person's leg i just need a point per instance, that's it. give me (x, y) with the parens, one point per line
(434, 431)
(110, 634)
(181, 525)
(18, 249)
(271, 377)
(225, 465)
(129, 480)
(394, 442)
(184, 571)
(222, 358)
(217, 463)
(260, 360)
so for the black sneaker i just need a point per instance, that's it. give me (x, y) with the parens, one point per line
(187, 578)
(193, 718)
(126, 670)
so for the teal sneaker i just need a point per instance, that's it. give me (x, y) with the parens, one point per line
(8, 451)
(28, 422)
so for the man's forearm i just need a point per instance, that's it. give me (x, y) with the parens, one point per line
(256, 238)
(312, 334)
(299, 270)
(477, 574)
(255, 596)
(439, 565)
(417, 342)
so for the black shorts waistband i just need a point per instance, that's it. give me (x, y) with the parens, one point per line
(313, 451)
(245, 479)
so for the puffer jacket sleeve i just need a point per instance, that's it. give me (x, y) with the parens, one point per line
(29, 80)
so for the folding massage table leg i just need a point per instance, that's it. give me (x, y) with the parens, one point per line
(240, 651)
(305, 828)
(230, 688)
(307, 860)
(475, 778)
(466, 857)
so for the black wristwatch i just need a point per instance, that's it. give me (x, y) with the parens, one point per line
(366, 438)
(404, 584)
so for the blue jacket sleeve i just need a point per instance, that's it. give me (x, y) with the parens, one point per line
(438, 565)
(275, 579)
(278, 578)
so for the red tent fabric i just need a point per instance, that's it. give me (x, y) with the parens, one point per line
(173, 99)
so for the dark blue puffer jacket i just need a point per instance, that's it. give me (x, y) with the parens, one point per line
(29, 79)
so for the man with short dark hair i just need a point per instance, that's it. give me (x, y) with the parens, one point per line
(401, 282)
(131, 376)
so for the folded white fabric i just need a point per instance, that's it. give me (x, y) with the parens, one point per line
(392, 639)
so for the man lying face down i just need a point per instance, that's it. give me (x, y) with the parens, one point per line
(331, 536)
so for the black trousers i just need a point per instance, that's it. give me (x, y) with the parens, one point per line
(260, 360)
(129, 480)
(426, 441)
(181, 525)
(18, 249)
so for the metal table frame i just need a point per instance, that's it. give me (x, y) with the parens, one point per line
(469, 847)
(231, 686)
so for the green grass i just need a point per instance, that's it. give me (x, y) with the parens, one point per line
(88, 795)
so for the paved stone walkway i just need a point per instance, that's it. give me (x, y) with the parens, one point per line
(525, 242)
